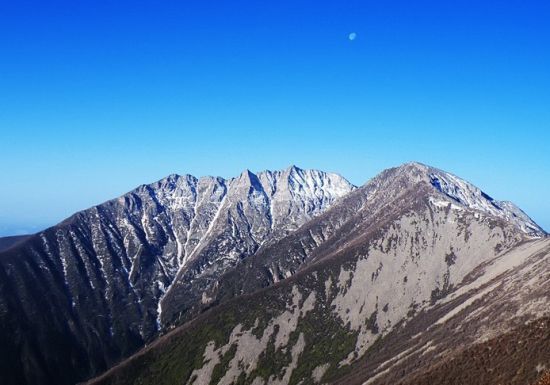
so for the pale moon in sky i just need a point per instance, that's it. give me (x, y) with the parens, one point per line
(352, 36)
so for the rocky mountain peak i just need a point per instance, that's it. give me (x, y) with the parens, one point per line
(464, 193)
(450, 190)
(293, 168)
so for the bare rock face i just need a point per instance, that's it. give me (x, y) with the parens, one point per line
(492, 328)
(468, 195)
(78, 297)
(413, 266)
(255, 211)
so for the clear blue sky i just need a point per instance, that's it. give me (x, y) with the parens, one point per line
(97, 97)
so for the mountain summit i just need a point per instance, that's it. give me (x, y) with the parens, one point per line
(258, 275)
(468, 195)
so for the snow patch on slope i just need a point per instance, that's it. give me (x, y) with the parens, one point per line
(470, 196)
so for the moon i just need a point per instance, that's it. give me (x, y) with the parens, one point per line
(352, 36)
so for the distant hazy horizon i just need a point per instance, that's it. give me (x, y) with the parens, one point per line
(99, 97)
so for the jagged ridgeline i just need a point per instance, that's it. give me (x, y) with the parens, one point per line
(82, 295)
(276, 278)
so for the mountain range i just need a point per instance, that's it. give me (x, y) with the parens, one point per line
(284, 277)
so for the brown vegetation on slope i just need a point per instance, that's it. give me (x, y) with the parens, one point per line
(514, 358)
(544, 380)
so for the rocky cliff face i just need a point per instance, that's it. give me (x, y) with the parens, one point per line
(78, 297)
(362, 292)
(256, 211)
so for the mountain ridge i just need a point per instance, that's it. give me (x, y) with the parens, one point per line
(440, 242)
(164, 253)
(107, 267)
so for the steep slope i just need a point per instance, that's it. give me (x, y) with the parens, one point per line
(493, 328)
(81, 295)
(469, 195)
(366, 210)
(257, 211)
(340, 286)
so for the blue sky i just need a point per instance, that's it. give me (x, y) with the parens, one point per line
(97, 97)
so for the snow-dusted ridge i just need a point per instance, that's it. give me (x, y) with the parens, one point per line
(264, 207)
(213, 223)
(465, 194)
